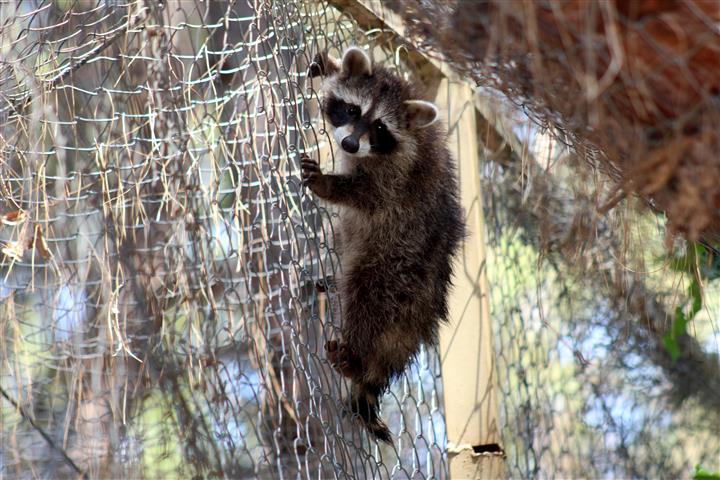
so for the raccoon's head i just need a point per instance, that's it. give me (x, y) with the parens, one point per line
(373, 112)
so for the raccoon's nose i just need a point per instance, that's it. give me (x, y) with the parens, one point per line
(350, 144)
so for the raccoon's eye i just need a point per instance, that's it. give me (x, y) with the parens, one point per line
(337, 111)
(381, 140)
(353, 110)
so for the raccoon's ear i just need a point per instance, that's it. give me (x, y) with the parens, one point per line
(356, 62)
(420, 113)
(324, 64)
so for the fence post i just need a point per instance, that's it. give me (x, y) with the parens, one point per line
(466, 343)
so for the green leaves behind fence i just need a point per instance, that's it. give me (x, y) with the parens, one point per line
(701, 264)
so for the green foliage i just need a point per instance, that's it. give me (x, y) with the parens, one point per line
(700, 264)
(679, 326)
(697, 259)
(162, 457)
(701, 474)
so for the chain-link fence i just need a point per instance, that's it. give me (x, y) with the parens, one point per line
(160, 315)
(163, 303)
(582, 306)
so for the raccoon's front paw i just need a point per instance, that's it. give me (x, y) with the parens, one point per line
(341, 359)
(311, 172)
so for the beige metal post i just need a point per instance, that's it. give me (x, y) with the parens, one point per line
(466, 344)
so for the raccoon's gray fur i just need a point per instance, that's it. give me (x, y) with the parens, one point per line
(401, 223)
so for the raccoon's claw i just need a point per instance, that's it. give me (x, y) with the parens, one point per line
(340, 358)
(310, 169)
(324, 285)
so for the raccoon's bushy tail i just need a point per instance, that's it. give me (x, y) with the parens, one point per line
(364, 402)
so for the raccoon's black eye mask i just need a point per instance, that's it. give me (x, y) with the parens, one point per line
(381, 140)
(340, 112)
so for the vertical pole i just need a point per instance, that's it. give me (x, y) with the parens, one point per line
(466, 343)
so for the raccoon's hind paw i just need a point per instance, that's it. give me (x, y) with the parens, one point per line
(341, 359)
(310, 170)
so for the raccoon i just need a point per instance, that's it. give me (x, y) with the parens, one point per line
(400, 223)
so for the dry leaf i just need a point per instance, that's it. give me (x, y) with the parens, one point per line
(14, 218)
(38, 242)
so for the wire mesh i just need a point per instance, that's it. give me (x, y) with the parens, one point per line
(160, 313)
(587, 387)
